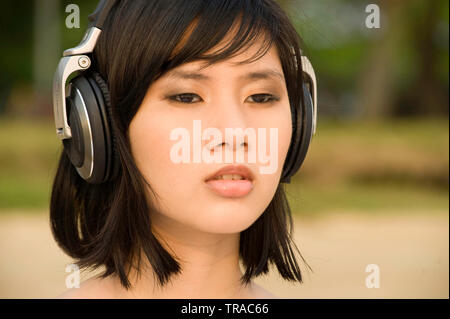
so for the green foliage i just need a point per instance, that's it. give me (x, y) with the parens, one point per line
(28, 157)
(16, 41)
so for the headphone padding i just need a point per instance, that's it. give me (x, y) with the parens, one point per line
(113, 158)
(102, 95)
(300, 146)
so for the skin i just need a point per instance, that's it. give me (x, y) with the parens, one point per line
(200, 228)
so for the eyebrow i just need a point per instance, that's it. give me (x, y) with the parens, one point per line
(256, 75)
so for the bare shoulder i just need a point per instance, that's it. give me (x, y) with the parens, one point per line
(259, 292)
(92, 288)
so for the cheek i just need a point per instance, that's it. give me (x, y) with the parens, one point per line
(284, 138)
(269, 182)
(278, 125)
(150, 144)
(147, 143)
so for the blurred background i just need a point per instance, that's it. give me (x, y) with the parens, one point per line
(374, 188)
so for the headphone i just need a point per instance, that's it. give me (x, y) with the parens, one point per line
(82, 111)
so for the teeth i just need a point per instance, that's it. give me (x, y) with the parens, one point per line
(230, 177)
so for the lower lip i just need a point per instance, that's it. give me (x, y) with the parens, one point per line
(231, 188)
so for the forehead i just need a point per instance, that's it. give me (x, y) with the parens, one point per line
(269, 62)
(254, 48)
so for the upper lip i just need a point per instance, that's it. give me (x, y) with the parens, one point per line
(233, 170)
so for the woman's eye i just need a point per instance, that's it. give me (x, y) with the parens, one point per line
(184, 98)
(264, 98)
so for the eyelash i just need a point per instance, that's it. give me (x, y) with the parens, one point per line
(271, 98)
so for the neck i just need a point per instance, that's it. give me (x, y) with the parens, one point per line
(209, 265)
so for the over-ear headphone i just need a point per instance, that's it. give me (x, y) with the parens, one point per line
(83, 114)
(304, 123)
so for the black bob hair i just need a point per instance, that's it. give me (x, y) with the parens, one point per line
(108, 225)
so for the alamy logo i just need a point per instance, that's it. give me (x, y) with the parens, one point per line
(73, 19)
(373, 279)
(73, 279)
(181, 150)
(373, 19)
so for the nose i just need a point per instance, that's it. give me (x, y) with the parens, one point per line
(229, 117)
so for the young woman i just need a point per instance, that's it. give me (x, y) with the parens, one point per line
(164, 228)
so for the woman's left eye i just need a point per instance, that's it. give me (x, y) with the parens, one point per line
(264, 98)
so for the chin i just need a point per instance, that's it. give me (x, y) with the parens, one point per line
(228, 219)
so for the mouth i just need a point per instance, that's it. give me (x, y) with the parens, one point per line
(231, 181)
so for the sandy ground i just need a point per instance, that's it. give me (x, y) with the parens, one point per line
(410, 250)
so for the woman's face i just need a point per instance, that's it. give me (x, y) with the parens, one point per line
(220, 96)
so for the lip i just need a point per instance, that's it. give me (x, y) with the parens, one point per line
(233, 169)
(231, 188)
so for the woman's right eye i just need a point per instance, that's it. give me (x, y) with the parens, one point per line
(185, 98)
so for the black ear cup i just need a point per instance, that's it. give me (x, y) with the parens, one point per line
(111, 151)
(74, 146)
(91, 147)
(302, 122)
